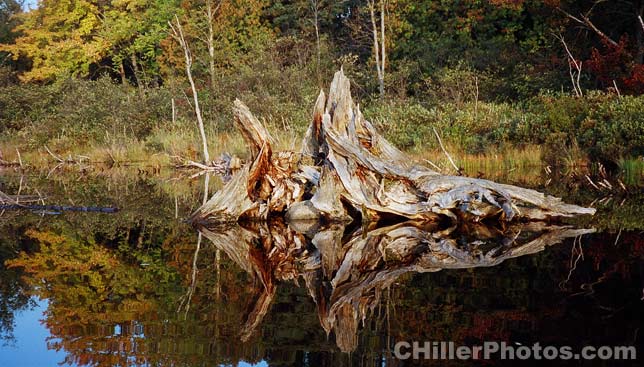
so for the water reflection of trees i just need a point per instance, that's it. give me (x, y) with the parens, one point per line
(275, 291)
(13, 289)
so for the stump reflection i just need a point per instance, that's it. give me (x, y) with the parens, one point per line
(345, 268)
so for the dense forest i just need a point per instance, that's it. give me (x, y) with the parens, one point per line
(108, 78)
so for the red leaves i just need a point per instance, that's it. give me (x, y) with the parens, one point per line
(635, 83)
(616, 64)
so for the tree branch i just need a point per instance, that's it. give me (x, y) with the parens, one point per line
(584, 20)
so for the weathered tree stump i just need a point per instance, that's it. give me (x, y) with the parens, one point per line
(348, 170)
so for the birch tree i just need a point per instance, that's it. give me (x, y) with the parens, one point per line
(315, 8)
(210, 11)
(176, 31)
(379, 45)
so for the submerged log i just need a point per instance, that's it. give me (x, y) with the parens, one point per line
(348, 170)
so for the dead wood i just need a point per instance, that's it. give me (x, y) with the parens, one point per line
(347, 167)
(345, 273)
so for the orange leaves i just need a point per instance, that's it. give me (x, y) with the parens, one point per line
(510, 4)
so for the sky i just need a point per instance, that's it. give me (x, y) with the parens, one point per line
(30, 347)
(30, 3)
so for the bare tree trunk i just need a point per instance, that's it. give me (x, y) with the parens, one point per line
(382, 47)
(575, 74)
(177, 34)
(135, 71)
(210, 41)
(174, 112)
(315, 6)
(122, 73)
(639, 33)
(379, 47)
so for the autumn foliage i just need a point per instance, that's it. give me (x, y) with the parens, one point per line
(616, 64)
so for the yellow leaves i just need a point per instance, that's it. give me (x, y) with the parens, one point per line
(60, 38)
(45, 237)
(59, 254)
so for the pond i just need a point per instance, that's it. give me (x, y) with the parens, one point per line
(82, 285)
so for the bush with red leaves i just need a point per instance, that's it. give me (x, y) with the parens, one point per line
(616, 63)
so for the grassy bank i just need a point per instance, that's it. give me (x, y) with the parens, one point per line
(99, 121)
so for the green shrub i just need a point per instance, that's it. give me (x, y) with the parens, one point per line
(605, 126)
(81, 111)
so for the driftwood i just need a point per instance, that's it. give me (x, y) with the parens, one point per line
(345, 271)
(350, 214)
(347, 170)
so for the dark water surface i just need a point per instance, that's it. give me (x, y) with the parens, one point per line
(141, 287)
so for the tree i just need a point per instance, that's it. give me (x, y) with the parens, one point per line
(85, 38)
(379, 47)
(315, 8)
(610, 35)
(210, 12)
(134, 30)
(59, 38)
(9, 11)
(177, 34)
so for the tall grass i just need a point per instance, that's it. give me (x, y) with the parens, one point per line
(632, 170)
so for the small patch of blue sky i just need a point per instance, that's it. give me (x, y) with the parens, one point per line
(30, 347)
(30, 4)
(260, 364)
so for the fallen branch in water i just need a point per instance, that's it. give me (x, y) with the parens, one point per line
(224, 165)
(57, 208)
(69, 160)
(18, 201)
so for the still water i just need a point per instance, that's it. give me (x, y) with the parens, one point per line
(139, 287)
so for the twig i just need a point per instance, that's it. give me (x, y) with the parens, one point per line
(445, 151)
(572, 61)
(586, 21)
(111, 156)
(573, 265)
(54, 155)
(42, 201)
(19, 157)
(54, 169)
(433, 165)
(607, 184)
(174, 112)
(476, 96)
(186, 298)
(621, 184)
(4, 198)
(641, 21)
(617, 238)
(198, 174)
(19, 189)
(616, 89)
(200, 165)
(592, 183)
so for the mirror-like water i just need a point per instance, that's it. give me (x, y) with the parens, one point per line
(140, 287)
